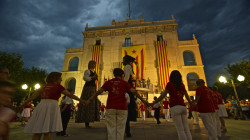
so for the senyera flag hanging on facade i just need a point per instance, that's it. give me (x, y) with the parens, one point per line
(161, 49)
(96, 55)
(138, 52)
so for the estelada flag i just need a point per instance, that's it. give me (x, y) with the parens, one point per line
(138, 52)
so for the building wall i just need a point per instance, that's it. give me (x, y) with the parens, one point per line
(112, 39)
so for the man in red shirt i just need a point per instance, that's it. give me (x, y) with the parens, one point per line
(142, 108)
(102, 110)
(117, 109)
(166, 108)
(204, 102)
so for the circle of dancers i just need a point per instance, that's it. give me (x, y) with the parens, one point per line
(48, 117)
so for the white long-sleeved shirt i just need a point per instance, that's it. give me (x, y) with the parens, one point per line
(86, 76)
(127, 71)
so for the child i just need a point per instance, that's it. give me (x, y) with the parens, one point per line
(116, 110)
(102, 110)
(157, 108)
(26, 113)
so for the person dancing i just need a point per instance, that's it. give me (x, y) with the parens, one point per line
(46, 118)
(132, 107)
(91, 112)
(178, 110)
(116, 110)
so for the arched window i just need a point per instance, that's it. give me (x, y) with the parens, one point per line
(73, 64)
(189, 59)
(71, 84)
(191, 81)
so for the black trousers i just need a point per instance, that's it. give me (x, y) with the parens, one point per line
(157, 114)
(65, 120)
(127, 128)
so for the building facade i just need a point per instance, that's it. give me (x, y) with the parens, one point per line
(155, 45)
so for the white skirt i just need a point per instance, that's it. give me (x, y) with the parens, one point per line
(45, 118)
(222, 110)
(26, 112)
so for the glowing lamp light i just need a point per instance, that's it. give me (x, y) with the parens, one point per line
(222, 79)
(241, 78)
(24, 86)
(246, 100)
(37, 86)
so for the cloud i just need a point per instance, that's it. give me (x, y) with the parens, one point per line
(41, 30)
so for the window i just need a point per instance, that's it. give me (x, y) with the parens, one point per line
(159, 38)
(189, 59)
(127, 42)
(71, 84)
(73, 64)
(98, 42)
(191, 80)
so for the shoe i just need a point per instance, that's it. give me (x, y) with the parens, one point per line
(66, 135)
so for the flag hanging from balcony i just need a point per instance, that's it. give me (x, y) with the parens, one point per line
(162, 58)
(138, 52)
(96, 55)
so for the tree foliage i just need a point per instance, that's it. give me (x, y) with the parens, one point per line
(241, 68)
(14, 63)
(20, 75)
(243, 88)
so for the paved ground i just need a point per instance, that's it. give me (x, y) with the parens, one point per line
(141, 130)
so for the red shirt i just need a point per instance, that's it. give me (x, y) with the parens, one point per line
(176, 96)
(102, 107)
(142, 107)
(215, 100)
(220, 101)
(205, 103)
(165, 104)
(117, 89)
(152, 108)
(28, 106)
(193, 108)
(52, 91)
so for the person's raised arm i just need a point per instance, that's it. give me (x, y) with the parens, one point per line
(132, 90)
(32, 97)
(188, 98)
(162, 96)
(100, 91)
(72, 96)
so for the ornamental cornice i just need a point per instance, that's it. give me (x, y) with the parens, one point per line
(130, 30)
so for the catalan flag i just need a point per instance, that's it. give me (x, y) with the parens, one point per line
(162, 58)
(96, 56)
(138, 52)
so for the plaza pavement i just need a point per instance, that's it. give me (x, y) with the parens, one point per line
(141, 130)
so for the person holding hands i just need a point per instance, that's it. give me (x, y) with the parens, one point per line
(116, 109)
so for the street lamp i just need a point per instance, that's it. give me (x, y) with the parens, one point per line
(25, 86)
(239, 78)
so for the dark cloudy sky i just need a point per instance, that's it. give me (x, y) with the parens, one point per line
(40, 30)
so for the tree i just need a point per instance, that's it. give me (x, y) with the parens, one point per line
(242, 68)
(14, 63)
(20, 75)
(243, 88)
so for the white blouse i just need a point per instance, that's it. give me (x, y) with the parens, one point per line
(127, 71)
(86, 76)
